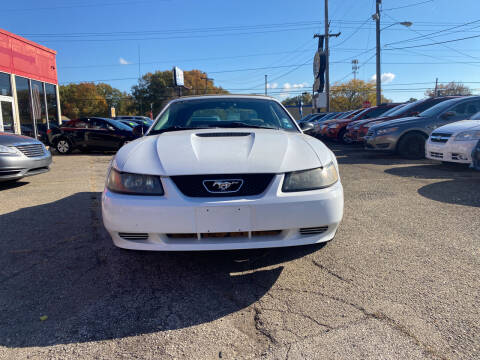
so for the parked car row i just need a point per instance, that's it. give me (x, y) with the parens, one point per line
(426, 127)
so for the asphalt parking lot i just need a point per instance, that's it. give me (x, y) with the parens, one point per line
(399, 281)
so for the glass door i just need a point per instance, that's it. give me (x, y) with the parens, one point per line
(6, 115)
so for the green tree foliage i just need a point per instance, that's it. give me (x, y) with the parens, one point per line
(89, 99)
(452, 88)
(156, 89)
(352, 95)
(306, 98)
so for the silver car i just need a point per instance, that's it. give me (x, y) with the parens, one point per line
(22, 156)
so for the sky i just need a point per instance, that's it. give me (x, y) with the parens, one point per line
(239, 42)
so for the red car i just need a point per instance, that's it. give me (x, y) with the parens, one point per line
(345, 115)
(337, 130)
(357, 131)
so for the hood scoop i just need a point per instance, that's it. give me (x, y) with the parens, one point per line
(223, 134)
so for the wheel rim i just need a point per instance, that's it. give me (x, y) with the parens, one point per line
(346, 139)
(63, 146)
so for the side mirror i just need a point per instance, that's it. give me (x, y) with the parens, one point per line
(306, 125)
(448, 114)
(110, 128)
(138, 131)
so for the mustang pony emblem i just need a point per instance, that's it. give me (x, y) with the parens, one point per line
(223, 186)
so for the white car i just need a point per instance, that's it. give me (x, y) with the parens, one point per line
(222, 172)
(454, 142)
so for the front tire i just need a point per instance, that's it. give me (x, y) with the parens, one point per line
(63, 146)
(412, 146)
(343, 138)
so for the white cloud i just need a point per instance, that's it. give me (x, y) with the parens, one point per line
(287, 88)
(122, 61)
(386, 77)
(272, 85)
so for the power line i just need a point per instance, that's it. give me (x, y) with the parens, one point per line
(409, 5)
(434, 33)
(435, 43)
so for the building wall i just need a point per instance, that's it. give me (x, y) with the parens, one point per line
(31, 69)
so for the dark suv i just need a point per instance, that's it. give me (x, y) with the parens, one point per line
(92, 133)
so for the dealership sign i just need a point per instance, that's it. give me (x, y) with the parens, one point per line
(178, 77)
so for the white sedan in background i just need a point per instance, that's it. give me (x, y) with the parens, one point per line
(454, 142)
(222, 172)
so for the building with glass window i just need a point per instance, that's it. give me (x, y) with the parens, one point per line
(29, 99)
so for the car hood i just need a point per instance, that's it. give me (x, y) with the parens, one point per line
(222, 151)
(12, 139)
(458, 126)
(400, 121)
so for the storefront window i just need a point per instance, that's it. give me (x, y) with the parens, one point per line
(24, 107)
(38, 105)
(5, 87)
(52, 110)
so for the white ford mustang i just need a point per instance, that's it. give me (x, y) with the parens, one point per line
(222, 172)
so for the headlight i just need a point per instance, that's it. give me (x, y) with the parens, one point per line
(310, 179)
(134, 184)
(7, 150)
(468, 135)
(386, 131)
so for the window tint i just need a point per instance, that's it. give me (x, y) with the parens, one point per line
(81, 124)
(428, 104)
(467, 109)
(98, 124)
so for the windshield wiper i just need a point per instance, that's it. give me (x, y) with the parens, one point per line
(173, 128)
(239, 124)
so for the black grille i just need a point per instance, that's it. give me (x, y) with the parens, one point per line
(223, 134)
(192, 185)
(33, 150)
(313, 230)
(440, 137)
(133, 236)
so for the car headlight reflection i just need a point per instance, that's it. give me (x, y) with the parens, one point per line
(134, 184)
(7, 150)
(386, 131)
(312, 179)
(468, 135)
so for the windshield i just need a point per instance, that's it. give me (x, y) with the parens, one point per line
(118, 125)
(439, 108)
(224, 112)
(393, 110)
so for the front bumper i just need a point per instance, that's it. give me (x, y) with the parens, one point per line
(381, 143)
(14, 167)
(175, 222)
(451, 151)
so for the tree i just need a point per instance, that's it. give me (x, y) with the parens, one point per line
(452, 88)
(89, 99)
(156, 89)
(352, 95)
(306, 98)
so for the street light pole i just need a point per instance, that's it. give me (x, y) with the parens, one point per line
(327, 70)
(379, 74)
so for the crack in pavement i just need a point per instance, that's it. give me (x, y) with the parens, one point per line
(259, 326)
(316, 263)
(380, 316)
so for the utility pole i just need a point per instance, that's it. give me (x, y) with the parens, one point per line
(436, 88)
(327, 66)
(355, 68)
(379, 73)
(139, 77)
(207, 79)
(266, 84)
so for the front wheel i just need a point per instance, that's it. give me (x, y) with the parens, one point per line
(63, 146)
(412, 146)
(343, 138)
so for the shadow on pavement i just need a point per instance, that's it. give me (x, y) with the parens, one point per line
(4, 185)
(58, 261)
(461, 188)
